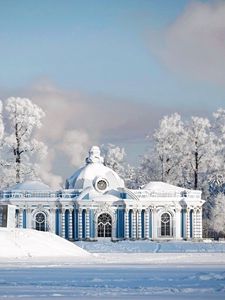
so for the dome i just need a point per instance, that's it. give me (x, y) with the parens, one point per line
(33, 185)
(94, 174)
(159, 186)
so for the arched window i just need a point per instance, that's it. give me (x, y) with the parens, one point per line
(104, 225)
(165, 225)
(40, 221)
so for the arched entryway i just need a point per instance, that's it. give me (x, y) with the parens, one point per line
(166, 225)
(41, 221)
(104, 225)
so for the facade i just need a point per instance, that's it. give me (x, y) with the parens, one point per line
(7, 215)
(95, 204)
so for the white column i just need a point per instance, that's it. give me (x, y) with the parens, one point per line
(70, 224)
(194, 224)
(146, 224)
(178, 223)
(80, 224)
(126, 224)
(20, 218)
(28, 218)
(51, 220)
(114, 225)
(134, 224)
(154, 224)
(87, 223)
(198, 224)
(187, 225)
(199, 220)
(63, 230)
(139, 225)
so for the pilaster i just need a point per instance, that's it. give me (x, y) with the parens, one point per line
(87, 222)
(139, 224)
(146, 224)
(80, 224)
(63, 229)
(70, 224)
(126, 224)
(134, 224)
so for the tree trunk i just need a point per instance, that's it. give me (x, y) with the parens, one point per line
(196, 171)
(17, 154)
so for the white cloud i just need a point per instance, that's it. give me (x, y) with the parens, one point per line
(75, 121)
(46, 174)
(75, 144)
(194, 45)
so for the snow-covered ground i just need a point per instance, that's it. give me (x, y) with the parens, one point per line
(148, 246)
(37, 265)
(27, 243)
(114, 282)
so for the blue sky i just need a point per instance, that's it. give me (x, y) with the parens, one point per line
(93, 46)
(144, 57)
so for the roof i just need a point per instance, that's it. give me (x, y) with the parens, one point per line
(87, 175)
(94, 170)
(159, 186)
(30, 185)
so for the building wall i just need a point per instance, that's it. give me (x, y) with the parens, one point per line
(74, 222)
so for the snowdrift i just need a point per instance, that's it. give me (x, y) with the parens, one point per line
(21, 243)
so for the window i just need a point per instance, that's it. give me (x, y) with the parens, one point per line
(165, 225)
(104, 225)
(40, 221)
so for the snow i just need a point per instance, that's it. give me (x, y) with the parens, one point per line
(30, 185)
(28, 243)
(85, 176)
(106, 246)
(162, 186)
(117, 282)
(41, 265)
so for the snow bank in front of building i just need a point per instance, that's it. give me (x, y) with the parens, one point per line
(146, 246)
(21, 243)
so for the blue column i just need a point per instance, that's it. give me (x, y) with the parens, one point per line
(120, 223)
(24, 218)
(191, 223)
(182, 223)
(75, 227)
(92, 223)
(57, 220)
(67, 224)
(130, 224)
(83, 224)
(150, 224)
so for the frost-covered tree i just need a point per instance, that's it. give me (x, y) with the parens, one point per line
(2, 163)
(22, 118)
(164, 163)
(219, 132)
(114, 158)
(199, 160)
(1, 122)
(217, 216)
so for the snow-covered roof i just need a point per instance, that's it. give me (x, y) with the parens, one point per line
(159, 186)
(92, 171)
(30, 185)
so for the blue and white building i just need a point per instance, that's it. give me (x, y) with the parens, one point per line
(95, 204)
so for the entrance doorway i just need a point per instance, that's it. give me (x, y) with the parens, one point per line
(165, 225)
(104, 225)
(40, 221)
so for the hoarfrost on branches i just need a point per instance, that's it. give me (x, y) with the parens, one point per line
(20, 146)
(217, 217)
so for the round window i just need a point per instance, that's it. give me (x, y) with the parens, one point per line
(102, 184)
(40, 218)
